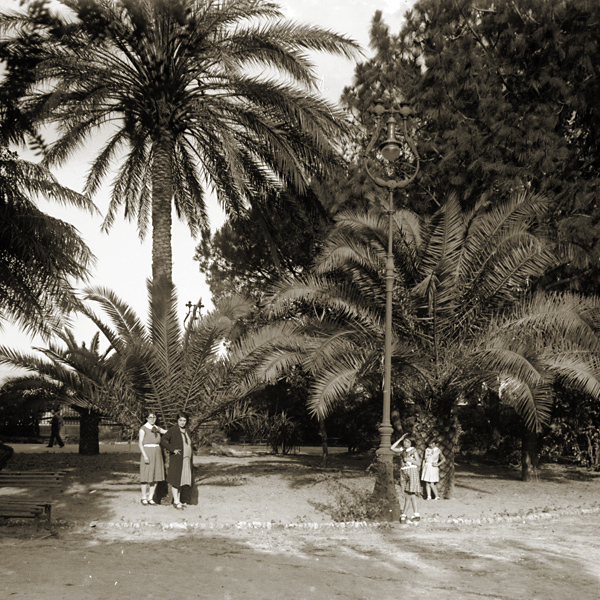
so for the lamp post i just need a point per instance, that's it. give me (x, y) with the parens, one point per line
(390, 149)
(193, 310)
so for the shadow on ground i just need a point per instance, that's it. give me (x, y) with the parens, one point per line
(518, 562)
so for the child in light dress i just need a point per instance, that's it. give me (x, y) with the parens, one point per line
(431, 472)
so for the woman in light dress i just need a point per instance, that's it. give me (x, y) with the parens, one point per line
(152, 468)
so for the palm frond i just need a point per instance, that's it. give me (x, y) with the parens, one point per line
(333, 383)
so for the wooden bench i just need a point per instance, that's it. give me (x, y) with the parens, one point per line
(19, 507)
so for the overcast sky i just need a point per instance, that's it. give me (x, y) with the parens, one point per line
(123, 261)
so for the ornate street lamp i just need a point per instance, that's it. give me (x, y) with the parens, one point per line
(194, 311)
(390, 149)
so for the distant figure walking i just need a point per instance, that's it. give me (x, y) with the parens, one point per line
(55, 427)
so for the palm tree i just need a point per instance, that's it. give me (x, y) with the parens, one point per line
(206, 368)
(557, 344)
(456, 273)
(193, 93)
(41, 258)
(82, 377)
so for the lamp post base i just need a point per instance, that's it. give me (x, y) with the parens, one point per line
(384, 493)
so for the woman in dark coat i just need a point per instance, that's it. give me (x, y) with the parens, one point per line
(178, 443)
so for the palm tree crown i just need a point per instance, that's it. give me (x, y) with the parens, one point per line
(194, 93)
(455, 274)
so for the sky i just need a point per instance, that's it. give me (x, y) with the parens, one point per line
(123, 262)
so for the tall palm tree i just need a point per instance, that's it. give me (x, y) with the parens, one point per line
(455, 273)
(190, 93)
(41, 258)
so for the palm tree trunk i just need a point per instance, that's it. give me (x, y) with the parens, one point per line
(162, 200)
(89, 429)
(441, 423)
(324, 446)
(448, 437)
(529, 457)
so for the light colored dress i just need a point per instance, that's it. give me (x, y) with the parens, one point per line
(431, 472)
(186, 467)
(154, 470)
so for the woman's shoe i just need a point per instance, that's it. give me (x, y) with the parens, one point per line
(144, 501)
(152, 503)
(178, 505)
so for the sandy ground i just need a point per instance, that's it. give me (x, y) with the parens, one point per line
(262, 529)
(286, 490)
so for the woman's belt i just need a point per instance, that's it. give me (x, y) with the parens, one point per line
(151, 445)
(409, 467)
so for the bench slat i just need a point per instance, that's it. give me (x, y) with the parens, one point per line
(15, 507)
(35, 477)
(32, 473)
(21, 514)
(25, 483)
(7, 475)
(32, 478)
(28, 507)
(10, 502)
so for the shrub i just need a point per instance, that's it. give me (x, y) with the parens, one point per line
(351, 504)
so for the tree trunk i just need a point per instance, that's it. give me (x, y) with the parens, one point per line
(448, 432)
(162, 200)
(441, 424)
(323, 434)
(529, 457)
(89, 429)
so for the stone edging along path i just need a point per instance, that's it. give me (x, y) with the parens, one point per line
(356, 525)
(183, 525)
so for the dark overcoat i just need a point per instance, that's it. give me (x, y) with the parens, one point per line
(171, 441)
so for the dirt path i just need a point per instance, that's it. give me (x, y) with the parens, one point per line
(554, 560)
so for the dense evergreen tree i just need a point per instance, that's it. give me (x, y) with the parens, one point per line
(506, 95)
(279, 236)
